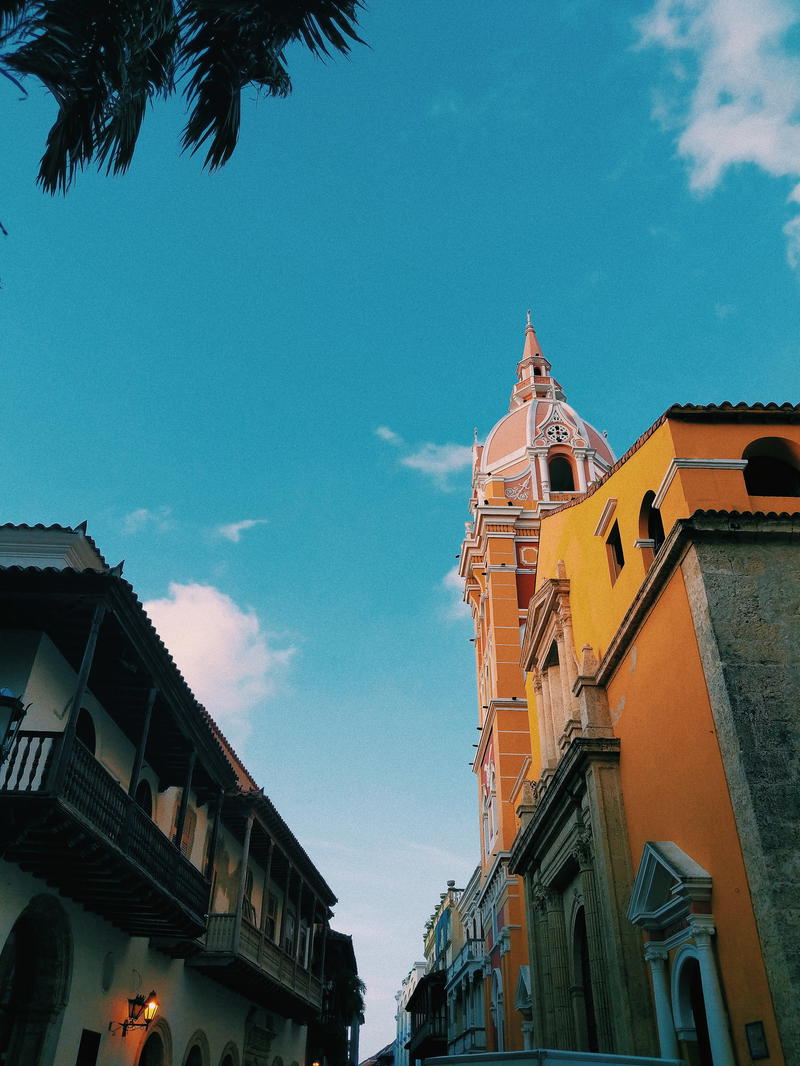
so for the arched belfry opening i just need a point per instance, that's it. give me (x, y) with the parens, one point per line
(773, 467)
(35, 978)
(562, 478)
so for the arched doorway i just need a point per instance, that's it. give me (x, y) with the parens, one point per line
(691, 1016)
(153, 1051)
(35, 977)
(496, 1011)
(583, 995)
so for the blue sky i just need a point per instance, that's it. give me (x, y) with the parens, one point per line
(305, 340)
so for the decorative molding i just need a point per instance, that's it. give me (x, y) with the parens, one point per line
(604, 521)
(693, 464)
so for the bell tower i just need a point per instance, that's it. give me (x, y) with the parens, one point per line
(538, 456)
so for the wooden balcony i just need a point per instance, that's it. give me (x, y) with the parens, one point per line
(69, 822)
(240, 956)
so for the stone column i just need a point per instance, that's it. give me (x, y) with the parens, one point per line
(702, 927)
(556, 932)
(544, 473)
(542, 985)
(584, 856)
(542, 691)
(656, 958)
(580, 465)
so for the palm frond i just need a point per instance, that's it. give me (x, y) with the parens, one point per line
(104, 62)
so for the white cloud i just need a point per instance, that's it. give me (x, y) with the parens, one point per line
(389, 436)
(453, 584)
(142, 517)
(234, 530)
(744, 98)
(222, 651)
(439, 461)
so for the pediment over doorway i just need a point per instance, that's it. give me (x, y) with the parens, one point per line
(667, 884)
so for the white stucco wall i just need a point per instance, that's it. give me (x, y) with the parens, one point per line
(189, 1001)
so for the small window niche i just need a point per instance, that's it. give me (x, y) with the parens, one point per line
(616, 556)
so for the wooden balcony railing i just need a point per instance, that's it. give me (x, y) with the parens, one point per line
(83, 793)
(235, 937)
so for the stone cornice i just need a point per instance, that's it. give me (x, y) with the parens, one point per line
(581, 752)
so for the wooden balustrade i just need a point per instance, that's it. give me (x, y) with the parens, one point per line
(86, 787)
(253, 946)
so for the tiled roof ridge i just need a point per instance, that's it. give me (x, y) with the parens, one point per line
(259, 794)
(217, 735)
(712, 513)
(56, 527)
(676, 410)
(727, 405)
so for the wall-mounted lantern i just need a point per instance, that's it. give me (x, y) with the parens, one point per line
(141, 1011)
(12, 711)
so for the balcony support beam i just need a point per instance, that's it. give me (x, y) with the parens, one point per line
(136, 772)
(181, 820)
(212, 847)
(248, 832)
(265, 890)
(81, 684)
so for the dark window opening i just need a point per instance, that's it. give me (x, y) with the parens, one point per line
(655, 528)
(651, 526)
(84, 730)
(88, 1048)
(765, 476)
(773, 467)
(561, 478)
(552, 657)
(144, 797)
(616, 557)
(537, 372)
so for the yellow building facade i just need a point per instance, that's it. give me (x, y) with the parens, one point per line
(659, 815)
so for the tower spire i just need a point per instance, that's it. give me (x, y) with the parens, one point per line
(532, 347)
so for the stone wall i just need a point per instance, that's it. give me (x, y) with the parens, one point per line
(742, 575)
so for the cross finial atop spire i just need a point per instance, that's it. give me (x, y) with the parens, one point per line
(529, 324)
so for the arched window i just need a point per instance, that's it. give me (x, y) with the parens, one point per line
(144, 797)
(773, 467)
(195, 1057)
(561, 476)
(651, 527)
(84, 730)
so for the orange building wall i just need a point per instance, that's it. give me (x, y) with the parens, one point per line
(674, 786)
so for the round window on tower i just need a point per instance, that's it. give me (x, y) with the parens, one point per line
(557, 434)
